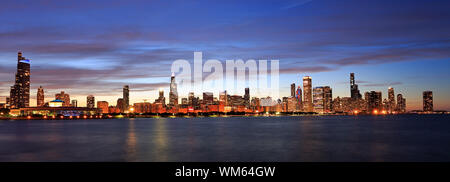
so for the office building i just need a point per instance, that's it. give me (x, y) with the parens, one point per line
(307, 94)
(20, 91)
(90, 101)
(428, 101)
(40, 97)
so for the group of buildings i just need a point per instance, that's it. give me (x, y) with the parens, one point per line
(307, 100)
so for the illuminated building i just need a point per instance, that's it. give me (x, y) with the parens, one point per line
(237, 100)
(173, 94)
(126, 97)
(74, 103)
(40, 97)
(207, 98)
(401, 103)
(391, 100)
(90, 101)
(291, 104)
(318, 99)
(20, 91)
(161, 99)
(120, 105)
(428, 101)
(103, 106)
(64, 97)
(143, 107)
(374, 101)
(307, 94)
(299, 98)
(354, 91)
(184, 101)
(223, 98)
(247, 97)
(327, 99)
(56, 103)
(293, 90)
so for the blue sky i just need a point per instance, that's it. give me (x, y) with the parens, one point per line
(96, 47)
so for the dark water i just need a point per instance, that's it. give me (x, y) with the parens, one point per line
(318, 138)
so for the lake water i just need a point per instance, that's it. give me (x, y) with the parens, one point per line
(286, 138)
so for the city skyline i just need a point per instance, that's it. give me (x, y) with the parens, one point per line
(84, 53)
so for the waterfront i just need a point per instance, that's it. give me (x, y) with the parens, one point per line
(284, 138)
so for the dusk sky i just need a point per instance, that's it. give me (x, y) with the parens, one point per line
(96, 47)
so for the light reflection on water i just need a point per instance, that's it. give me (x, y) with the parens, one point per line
(324, 138)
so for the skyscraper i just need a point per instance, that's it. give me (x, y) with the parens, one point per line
(90, 101)
(293, 89)
(40, 97)
(173, 94)
(374, 101)
(322, 99)
(247, 97)
(104, 106)
(327, 99)
(307, 94)
(208, 98)
(74, 103)
(161, 99)
(428, 101)
(354, 91)
(126, 97)
(20, 91)
(401, 103)
(120, 105)
(391, 100)
(299, 98)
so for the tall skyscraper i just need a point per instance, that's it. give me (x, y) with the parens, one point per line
(223, 98)
(20, 91)
(354, 91)
(391, 100)
(293, 90)
(322, 99)
(374, 101)
(401, 103)
(161, 99)
(120, 104)
(307, 94)
(208, 97)
(173, 94)
(428, 101)
(126, 97)
(247, 97)
(40, 97)
(63, 97)
(90, 101)
(104, 106)
(299, 98)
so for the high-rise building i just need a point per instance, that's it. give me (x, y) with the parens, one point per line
(247, 97)
(119, 105)
(40, 97)
(354, 91)
(293, 90)
(223, 98)
(74, 103)
(90, 101)
(299, 98)
(63, 97)
(208, 98)
(307, 94)
(161, 99)
(173, 94)
(401, 103)
(374, 101)
(391, 100)
(103, 105)
(428, 101)
(322, 99)
(20, 91)
(126, 97)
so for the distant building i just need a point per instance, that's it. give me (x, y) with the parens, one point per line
(374, 101)
(391, 100)
(119, 105)
(143, 107)
(103, 106)
(74, 103)
(299, 98)
(173, 94)
(401, 103)
(247, 97)
(293, 90)
(307, 94)
(126, 97)
(40, 97)
(161, 99)
(64, 97)
(20, 91)
(354, 91)
(90, 101)
(428, 101)
(56, 103)
(208, 98)
(223, 98)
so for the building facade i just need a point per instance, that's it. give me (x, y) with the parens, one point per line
(20, 91)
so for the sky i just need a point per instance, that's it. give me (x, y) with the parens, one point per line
(96, 47)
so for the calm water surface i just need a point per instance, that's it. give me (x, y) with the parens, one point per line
(314, 138)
